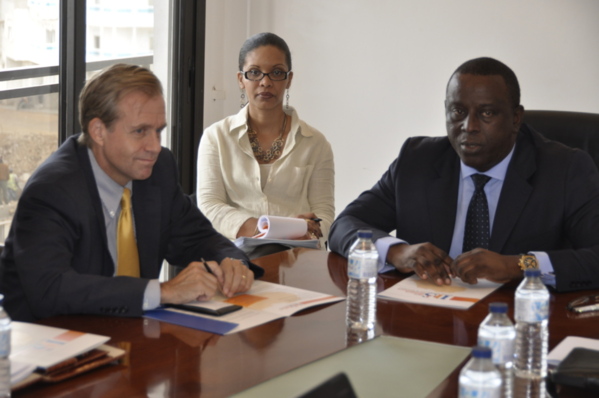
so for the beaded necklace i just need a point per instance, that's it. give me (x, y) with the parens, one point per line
(275, 150)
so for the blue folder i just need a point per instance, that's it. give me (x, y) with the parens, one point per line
(191, 321)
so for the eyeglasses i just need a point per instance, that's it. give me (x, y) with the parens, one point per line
(256, 75)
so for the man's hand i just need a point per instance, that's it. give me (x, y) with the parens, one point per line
(425, 259)
(192, 283)
(481, 263)
(236, 277)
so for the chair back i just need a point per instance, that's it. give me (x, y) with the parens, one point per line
(575, 129)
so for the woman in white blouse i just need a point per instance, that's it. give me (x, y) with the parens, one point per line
(265, 160)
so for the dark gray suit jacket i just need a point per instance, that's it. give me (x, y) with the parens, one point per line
(56, 258)
(549, 202)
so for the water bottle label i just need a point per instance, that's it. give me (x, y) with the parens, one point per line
(479, 392)
(503, 350)
(531, 310)
(362, 268)
(5, 344)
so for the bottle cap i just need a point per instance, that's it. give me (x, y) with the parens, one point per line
(498, 308)
(482, 352)
(531, 273)
(365, 233)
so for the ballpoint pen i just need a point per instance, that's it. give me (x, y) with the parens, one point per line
(209, 270)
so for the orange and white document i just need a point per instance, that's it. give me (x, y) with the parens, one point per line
(265, 302)
(458, 295)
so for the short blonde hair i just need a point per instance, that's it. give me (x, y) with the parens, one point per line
(101, 94)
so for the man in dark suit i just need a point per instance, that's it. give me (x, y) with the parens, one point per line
(63, 252)
(541, 198)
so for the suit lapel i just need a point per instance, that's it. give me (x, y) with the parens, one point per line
(442, 197)
(514, 194)
(146, 209)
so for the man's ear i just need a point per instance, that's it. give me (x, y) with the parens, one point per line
(97, 131)
(518, 117)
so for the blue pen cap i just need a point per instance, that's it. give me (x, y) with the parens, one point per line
(498, 308)
(532, 273)
(365, 234)
(482, 352)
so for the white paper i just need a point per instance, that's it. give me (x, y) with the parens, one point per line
(250, 244)
(568, 344)
(274, 227)
(45, 346)
(265, 302)
(458, 295)
(19, 371)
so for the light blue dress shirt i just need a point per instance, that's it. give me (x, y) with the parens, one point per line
(110, 195)
(465, 192)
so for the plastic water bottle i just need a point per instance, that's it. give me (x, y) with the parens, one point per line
(479, 378)
(532, 313)
(361, 287)
(498, 333)
(4, 351)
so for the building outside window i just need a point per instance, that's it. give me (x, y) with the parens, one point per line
(116, 31)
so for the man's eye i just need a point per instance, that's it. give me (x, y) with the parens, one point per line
(488, 113)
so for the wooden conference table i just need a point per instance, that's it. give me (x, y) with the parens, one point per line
(173, 361)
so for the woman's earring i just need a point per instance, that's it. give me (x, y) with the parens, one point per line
(243, 102)
(287, 100)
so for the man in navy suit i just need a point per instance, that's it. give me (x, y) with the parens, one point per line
(61, 253)
(542, 197)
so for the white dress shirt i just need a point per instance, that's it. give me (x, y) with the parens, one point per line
(110, 196)
(465, 192)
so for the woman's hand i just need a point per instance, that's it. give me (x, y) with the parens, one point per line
(314, 231)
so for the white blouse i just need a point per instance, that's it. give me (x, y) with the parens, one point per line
(230, 188)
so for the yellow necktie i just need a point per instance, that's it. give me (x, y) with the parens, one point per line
(127, 255)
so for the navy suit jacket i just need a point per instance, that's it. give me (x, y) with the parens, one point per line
(549, 202)
(56, 258)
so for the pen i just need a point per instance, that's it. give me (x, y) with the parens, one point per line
(316, 219)
(209, 270)
(207, 267)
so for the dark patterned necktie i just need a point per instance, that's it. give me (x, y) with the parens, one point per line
(476, 233)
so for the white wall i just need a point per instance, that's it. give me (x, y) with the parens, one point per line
(369, 74)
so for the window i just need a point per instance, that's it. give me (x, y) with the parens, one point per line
(49, 47)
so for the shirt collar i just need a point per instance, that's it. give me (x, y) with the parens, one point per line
(498, 171)
(239, 122)
(110, 191)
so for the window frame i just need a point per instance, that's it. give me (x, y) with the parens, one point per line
(186, 78)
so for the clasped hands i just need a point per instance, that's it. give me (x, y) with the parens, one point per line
(194, 282)
(433, 264)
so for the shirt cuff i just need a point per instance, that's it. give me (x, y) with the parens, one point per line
(382, 246)
(152, 295)
(547, 272)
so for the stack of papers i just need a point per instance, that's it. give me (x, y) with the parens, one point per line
(44, 353)
(284, 231)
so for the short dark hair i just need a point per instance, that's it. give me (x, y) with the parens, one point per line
(101, 94)
(486, 66)
(263, 39)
